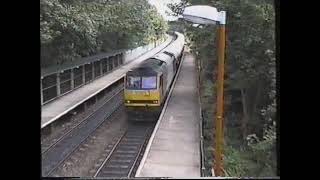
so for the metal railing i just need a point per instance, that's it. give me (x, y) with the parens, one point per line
(202, 166)
(52, 86)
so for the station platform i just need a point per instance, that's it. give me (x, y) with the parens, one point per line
(174, 147)
(57, 108)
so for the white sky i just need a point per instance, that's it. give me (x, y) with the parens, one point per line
(161, 6)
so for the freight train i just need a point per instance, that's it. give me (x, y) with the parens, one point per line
(147, 85)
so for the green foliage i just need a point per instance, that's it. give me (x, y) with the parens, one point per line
(236, 165)
(264, 149)
(72, 29)
(250, 67)
(256, 159)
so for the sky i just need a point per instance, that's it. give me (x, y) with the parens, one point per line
(161, 6)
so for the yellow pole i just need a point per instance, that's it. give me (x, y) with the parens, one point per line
(218, 165)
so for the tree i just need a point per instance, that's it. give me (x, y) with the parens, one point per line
(73, 29)
(250, 68)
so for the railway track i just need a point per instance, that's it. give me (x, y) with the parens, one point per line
(48, 142)
(124, 155)
(57, 152)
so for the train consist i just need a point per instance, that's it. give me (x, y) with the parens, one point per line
(147, 85)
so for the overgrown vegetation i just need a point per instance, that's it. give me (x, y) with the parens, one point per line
(71, 29)
(250, 104)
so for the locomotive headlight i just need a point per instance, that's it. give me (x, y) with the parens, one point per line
(127, 101)
(155, 102)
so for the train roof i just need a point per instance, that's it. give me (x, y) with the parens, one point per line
(150, 66)
(156, 64)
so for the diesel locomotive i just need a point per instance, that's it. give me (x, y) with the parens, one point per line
(147, 85)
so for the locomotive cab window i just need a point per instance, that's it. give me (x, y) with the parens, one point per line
(149, 82)
(133, 82)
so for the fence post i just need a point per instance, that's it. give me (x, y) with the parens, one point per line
(100, 67)
(58, 84)
(72, 79)
(83, 74)
(93, 77)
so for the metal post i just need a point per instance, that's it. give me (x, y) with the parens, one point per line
(72, 79)
(101, 67)
(83, 75)
(219, 141)
(114, 61)
(93, 71)
(58, 84)
(107, 65)
(119, 60)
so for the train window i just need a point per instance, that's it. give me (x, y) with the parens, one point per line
(133, 82)
(149, 82)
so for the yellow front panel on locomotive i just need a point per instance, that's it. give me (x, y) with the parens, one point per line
(142, 97)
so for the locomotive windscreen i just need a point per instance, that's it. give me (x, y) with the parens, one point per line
(144, 83)
(149, 82)
(133, 82)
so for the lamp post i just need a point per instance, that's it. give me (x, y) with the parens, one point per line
(209, 15)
